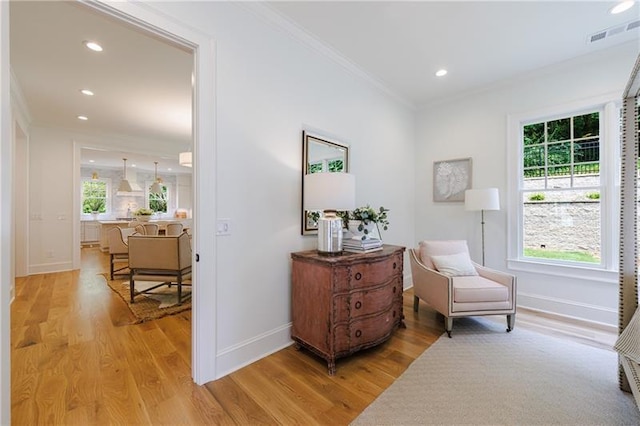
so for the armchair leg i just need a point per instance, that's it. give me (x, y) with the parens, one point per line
(511, 320)
(448, 321)
(416, 303)
(131, 286)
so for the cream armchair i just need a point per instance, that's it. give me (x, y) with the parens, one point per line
(118, 250)
(166, 259)
(447, 280)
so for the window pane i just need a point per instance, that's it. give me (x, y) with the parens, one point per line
(336, 165)
(586, 150)
(559, 153)
(587, 125)
(562, 225)
(533, 156)
(559, 130)
(534, 134)
(158, 202)
(314, 168)
(94, 196)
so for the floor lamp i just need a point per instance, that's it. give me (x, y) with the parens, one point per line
(482, 199)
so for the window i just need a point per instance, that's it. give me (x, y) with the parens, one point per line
(95, 195)
(158, 202)
(566, 196)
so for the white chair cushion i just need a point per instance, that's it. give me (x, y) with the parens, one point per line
(454, 265)
(440, 248)
(478, 289)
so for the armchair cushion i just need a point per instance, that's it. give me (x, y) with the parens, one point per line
(454, 265)
(478, 289)
(440, 248)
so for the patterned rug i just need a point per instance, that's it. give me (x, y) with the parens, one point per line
(150, 306)
(484, 376)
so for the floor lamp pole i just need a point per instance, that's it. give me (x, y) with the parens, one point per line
(482, 222)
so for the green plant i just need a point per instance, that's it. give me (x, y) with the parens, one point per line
(367, 215)
(143, 212)
(536, 197)
(593, 195)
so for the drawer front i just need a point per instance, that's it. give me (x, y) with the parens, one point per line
(367, 274)
(366, 332)
(367, 302)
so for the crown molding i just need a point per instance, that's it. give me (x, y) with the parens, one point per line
(277, 19)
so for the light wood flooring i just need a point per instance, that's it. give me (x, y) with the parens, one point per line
(75, 360)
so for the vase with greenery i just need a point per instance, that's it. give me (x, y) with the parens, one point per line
(143, 214)
(367, 216)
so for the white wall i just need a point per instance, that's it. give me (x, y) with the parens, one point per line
(476, 126)
(269, 88)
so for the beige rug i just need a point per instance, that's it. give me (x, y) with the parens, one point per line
(484, 376)
(150, 306)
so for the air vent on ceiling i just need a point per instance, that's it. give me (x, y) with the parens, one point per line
(610, 32)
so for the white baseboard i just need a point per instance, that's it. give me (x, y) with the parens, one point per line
(237, 356)
(592, 314)
(45, 268)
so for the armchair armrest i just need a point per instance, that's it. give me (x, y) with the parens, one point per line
(430, 285)
(500, 277)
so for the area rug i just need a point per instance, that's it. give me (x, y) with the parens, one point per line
(150, 306)
(485, 376)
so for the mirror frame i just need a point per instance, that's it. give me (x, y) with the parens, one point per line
(309, 138)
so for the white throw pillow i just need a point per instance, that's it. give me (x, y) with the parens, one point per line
(454, 265)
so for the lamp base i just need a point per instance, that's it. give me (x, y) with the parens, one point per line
(330, 234)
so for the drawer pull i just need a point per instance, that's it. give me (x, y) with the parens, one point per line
(359, 333)
(394, 314)
(358, 304)
(394, 265)
(394, 289)
(358, 276)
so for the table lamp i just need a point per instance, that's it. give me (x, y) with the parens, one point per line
(482, 199)
(329, 192)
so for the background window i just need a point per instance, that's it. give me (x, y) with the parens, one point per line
(94, 196)
(158, 202)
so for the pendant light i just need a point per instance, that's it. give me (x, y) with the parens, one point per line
(94, 176)
(156, 188)
(186, 159)
(124, 183)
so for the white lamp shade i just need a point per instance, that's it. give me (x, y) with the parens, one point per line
(125, 186)
(156, 188)
(482, 199)
(329, 191)
(186, 159)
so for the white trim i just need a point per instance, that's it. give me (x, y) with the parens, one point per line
(6, 222)
(204, 319)
(47, 268)
(19, 103)
(514, 206)
(244, 353)
(569, 308)
(277, 19)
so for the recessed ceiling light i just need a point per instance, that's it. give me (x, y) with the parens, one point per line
(441, 73)
(83, 117)
(93, 46)
(86, 92)
(621, 7)
(133, 165)
(92, 161)
(169, 169)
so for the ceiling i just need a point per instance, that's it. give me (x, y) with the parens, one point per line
(142, 85)
(402, 44)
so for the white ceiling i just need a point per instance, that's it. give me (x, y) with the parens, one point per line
(142, 85)
(403, 44)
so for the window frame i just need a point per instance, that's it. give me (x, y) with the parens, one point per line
(609, 108)
(108, 198)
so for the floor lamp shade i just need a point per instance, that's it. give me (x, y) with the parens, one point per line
(329, 192)
(482, 199)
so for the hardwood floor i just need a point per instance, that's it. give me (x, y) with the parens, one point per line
(76, 360)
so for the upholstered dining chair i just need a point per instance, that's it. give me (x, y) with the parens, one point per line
(174, 229)
(118, 250)
(445, 277)
(151, 228)
(164, 259)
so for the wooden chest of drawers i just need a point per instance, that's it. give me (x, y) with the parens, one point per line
(343, 304)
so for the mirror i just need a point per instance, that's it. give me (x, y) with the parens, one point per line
(320, 155)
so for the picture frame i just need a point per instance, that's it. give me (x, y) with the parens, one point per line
(451, 178)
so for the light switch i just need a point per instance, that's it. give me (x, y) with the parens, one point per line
(224, 227)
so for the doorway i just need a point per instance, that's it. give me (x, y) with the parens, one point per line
(203, 146)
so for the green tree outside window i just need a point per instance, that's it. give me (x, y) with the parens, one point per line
(94, 196)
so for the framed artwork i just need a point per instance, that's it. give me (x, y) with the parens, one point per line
(450, 179)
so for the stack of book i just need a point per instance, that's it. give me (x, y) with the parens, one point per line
(358, 245)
